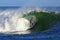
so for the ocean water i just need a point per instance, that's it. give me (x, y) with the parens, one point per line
(6, 13)
(52, 9)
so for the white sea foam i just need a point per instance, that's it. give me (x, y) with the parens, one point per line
(11, 20)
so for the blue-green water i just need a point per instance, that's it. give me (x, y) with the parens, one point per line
(50, 34)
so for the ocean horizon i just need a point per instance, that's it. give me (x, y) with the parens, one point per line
(44, 8)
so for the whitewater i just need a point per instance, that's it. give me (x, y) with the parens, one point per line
(11, 20)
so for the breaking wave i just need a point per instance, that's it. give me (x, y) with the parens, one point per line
(11, 20)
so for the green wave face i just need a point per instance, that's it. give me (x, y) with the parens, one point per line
(43, 20)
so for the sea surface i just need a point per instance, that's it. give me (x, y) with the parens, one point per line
(50, 34)
(53, 9)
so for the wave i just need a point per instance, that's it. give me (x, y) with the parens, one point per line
(12, 21)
